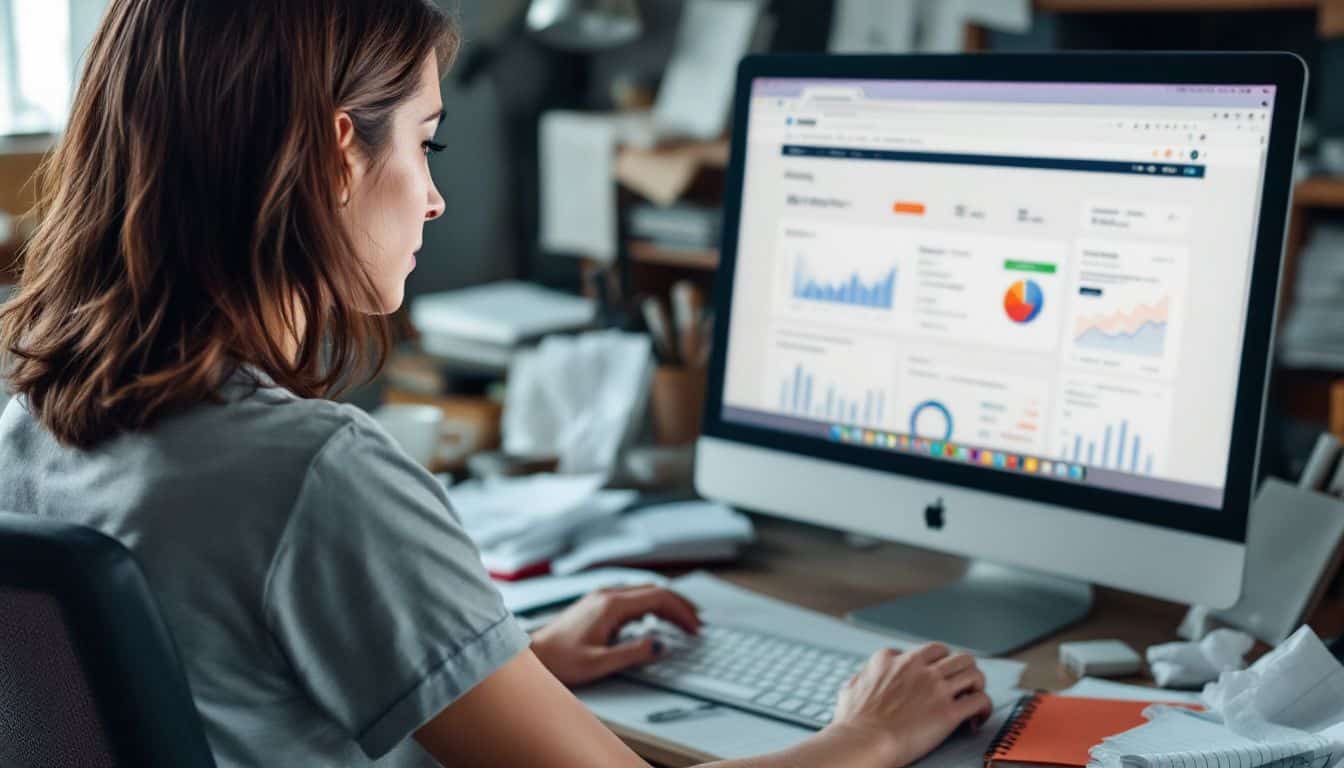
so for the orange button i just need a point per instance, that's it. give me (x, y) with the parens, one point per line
(902, 206)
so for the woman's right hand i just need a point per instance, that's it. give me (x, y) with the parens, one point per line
(906, 703)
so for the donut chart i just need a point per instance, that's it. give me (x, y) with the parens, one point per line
(1023, 301)
(931, 419)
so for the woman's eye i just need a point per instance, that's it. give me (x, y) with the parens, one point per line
(432, 146)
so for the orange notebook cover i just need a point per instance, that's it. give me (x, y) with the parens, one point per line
(1059, 730)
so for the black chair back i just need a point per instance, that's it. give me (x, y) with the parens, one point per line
(89, 674)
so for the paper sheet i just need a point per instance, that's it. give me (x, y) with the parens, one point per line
(873, 26)
(1298, 685)
(1286, 710)
(1177, 738)
(578, 398)
(697, 89)
(1094, 688)
(577, 184)
(729, 733)
(496, 509)
(542, 591)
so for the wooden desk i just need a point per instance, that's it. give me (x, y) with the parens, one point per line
(818, 570)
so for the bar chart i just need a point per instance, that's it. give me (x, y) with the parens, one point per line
(1119, 426)
(1118, 447)
(854, 290)
(804, 394)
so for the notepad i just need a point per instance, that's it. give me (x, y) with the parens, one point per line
(1047, 730)
(1180, 739)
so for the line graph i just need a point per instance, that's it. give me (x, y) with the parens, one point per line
(1140, 331)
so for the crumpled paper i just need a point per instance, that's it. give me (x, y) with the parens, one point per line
(1188, 664)
(578, 398)
(1296, 688)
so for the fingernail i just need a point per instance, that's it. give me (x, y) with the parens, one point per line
(657, 648)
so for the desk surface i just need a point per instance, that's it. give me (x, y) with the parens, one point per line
(817, 569)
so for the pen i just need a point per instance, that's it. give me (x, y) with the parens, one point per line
(686, 310)
(706, 339)
(656, 319)
(681, 713)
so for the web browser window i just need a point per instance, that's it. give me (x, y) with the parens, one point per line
(1041, 278)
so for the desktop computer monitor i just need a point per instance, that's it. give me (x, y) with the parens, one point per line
(1013, 307)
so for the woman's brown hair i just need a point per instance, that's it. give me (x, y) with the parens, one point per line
(189, 219)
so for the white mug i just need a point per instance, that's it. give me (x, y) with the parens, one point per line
(425, 433)
(415, 427)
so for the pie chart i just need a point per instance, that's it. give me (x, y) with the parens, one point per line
(1023, 301)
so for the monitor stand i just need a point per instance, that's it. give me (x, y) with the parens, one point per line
(991, 611)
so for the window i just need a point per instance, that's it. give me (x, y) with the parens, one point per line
(41, 42)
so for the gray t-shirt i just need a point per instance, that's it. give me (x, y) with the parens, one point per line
(323, 595)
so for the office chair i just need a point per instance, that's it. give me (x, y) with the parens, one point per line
(89, 674)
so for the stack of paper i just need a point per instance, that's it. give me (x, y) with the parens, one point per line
(565, 524)
(521, 523)
(667, 534)
(1287, 709)
(484, 325)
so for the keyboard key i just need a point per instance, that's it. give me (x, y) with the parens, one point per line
(714, 685)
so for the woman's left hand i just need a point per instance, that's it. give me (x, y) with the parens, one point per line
(577, 646)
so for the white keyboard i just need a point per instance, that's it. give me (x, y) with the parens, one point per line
(762, 673)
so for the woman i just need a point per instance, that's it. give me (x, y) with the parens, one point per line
(235, 205)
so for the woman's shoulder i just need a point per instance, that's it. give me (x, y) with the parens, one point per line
(270, 419)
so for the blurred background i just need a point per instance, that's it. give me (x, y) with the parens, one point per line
(586, 143)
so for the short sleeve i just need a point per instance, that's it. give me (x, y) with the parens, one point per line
(376, 595)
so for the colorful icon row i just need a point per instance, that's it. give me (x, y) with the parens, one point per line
(946, 450)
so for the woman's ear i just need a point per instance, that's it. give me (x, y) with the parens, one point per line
(354, 162)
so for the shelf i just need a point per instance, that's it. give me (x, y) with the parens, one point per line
(645, 252)
(1319, 192)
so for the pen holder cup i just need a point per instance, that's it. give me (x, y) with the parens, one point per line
(676, 402)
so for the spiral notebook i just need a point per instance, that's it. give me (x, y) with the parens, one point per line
(1048, 730)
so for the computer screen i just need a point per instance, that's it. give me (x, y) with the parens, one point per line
(1035, 278)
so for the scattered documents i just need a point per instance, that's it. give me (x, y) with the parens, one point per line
(498, 508)
(1286, 709)
(1178, 738)
(1299, 685)
(520, 523)
(579, 399)
(689, 531)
